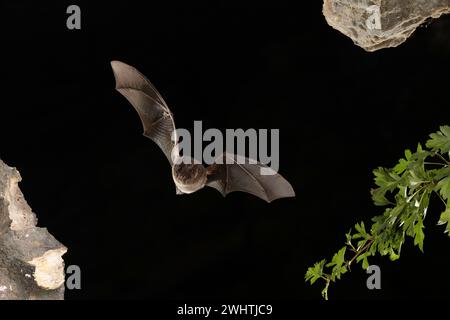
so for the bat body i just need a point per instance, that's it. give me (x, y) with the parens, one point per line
(227, 175)
(189, 177)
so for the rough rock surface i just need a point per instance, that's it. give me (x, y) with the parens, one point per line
(378, 24)
(31, 264)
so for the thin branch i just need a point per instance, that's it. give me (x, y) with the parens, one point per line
(442, 158)
(440, 197)
(360, 252)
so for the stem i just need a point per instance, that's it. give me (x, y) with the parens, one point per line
(442, 158)
(442, 199)
(435, 163)
(418, 191)
(325, 290)
(361, 251)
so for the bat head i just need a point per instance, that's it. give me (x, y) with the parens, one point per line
(189, 177)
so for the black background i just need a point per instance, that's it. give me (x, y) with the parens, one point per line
(105, 191)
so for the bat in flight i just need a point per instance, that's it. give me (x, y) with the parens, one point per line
(226, 176)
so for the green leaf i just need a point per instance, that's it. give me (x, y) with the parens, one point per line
(379, 197)
(419, 148)
(440, 141)
(408, 154)
(339, 264)
(415, 180)
(403, 163)
(408, 224)
(441, 173)
(401, 166)
(348, 237)
(365, 261)
(386, 179)
(365, 264)
(362, 233)
(315, 273)
(394, 256)
(338, 258)
(445, 219)
(419, 234)
(396, 212)
(443, 187)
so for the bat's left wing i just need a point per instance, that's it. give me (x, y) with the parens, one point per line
(232, 176)
(155, 115)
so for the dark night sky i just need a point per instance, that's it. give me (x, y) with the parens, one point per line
(105, 191)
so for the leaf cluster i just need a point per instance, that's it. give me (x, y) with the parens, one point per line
(404, 192)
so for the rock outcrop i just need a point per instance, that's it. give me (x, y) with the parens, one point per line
(31, 264)
(378, 24)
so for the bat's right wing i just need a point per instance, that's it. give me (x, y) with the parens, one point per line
(232, 175)
(155, 115)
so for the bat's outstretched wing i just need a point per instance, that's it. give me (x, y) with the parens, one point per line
(155, 115)
(247, 177)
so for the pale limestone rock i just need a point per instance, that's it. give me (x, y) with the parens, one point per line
(31, 264)
(378, 24)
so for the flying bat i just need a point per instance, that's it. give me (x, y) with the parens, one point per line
(226, 175)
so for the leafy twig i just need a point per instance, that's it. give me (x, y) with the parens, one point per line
(405, 192)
